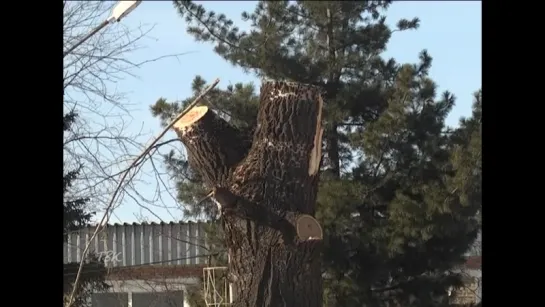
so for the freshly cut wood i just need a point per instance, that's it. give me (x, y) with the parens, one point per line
(308, 228)
(192, 116)
(316, 153)
(213, 146)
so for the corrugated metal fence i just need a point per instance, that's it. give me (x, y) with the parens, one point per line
(142, 244)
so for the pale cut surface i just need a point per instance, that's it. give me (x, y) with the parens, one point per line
(308, 228)
(191, 117)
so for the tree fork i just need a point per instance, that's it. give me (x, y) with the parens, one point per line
(269, 197)
(280, 174)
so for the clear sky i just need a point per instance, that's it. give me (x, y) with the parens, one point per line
(450, 31)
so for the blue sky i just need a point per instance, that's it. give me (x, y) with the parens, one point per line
(450, 31)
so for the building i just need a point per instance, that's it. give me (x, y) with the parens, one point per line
(148, 264)
(153, 264)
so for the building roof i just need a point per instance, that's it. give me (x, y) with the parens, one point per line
(149, 272)
(181, 243)
(149, 224)
(169, 248)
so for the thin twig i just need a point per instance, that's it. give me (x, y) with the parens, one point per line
(104, 219)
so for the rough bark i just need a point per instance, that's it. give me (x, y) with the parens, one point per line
(269, 196)
(213, 146)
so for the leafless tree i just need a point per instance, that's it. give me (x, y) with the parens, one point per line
(99, 143)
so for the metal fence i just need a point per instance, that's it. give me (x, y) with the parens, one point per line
(141, 244)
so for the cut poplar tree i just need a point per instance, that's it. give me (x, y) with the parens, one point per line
(267, 192)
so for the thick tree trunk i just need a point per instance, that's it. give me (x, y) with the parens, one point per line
(269, 197)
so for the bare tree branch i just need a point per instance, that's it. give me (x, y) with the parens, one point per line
(119, 185)
(100, 141)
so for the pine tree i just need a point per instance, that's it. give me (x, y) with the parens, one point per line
(466, 160)
(466, 148)
(76, 216)
(393, 201)
(412, 225)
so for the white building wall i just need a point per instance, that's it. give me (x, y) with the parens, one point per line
(153, 286)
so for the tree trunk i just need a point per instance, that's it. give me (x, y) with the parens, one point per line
(269, 197)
